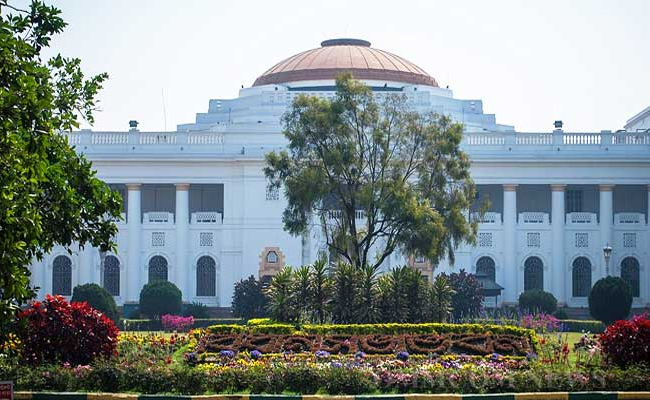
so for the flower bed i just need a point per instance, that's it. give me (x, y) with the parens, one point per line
(448, 343)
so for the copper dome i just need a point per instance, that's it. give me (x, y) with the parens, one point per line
(345, 55)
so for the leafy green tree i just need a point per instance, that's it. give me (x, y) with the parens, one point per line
(440, 299)
(374, 176)
(281, 296)
(321, 286)
(48, 193)
(248, 299)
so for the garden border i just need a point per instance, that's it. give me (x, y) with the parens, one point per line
(498, 396)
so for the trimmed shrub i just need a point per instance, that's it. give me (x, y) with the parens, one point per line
(248, 299)
(160, 297)
(196, 310)
(560, 313)
(537, 301)
(57, 331)
(610, 299)
(626, 342)
(579, 325)
(468, 300)
(98, 298)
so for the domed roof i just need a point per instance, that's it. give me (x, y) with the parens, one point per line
(345, 55)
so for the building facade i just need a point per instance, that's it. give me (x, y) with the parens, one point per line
(197, 210)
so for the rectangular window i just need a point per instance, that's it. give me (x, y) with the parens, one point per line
(629, 240)
(157, 239)
(574, 201)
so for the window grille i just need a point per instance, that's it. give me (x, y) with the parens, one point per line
(630, 274)
(582, 240)
(206, 239)
(112, 275)
(272, 193)
(629, 240)
(533, 239)
(581, 277)
(62, 276)
(157, 239)
(485, 239)
(157, 269)
(486, 266)
(533, 274)
(206, 277)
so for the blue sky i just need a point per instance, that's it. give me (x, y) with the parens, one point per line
(531, 62)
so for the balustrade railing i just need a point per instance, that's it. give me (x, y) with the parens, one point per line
(206, 217)
(629, 219)
(489, 217)
(109, 138)
(533, 218)
(337, 214)
(158, 217)
(534, 138)
(581, 218)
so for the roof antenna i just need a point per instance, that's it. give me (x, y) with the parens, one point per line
(164, 109)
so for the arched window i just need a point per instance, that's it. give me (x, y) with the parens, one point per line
(112, 275)
(581, 277)
(630, 274)
(533, 274)
(62, 276)
(157, 269)
(271, 257)
(485, 266)
(206, 277)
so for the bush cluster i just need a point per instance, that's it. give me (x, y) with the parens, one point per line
(467, 302)
(160, 297)
(610, 299)
(626, 342)
(57, 331)
(248, 299)
(98, 298)
(537, 301)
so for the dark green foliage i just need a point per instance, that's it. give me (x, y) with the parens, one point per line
(345, 282)
(467, 302)
(440, 299)
(560, 313)
(610, 299)
(321, 286)
(48, 193)
(196, 310)
(159, 298)
(282, 297)
(249, 300)
(402, 171)
(98, 298)
(537, 301)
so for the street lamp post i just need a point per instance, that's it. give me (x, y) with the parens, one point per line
(607, 252)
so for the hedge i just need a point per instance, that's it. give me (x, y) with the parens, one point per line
(578, 325)
(155, 325)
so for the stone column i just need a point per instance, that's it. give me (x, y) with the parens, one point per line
(182, 232)
(557, 269)
(134, 227)
(46, 278)
(647, 215)
(86, 266)
(510, 270)
(606, 221)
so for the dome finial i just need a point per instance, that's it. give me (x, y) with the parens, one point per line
(345, 42)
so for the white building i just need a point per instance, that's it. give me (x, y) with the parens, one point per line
(197, 211)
